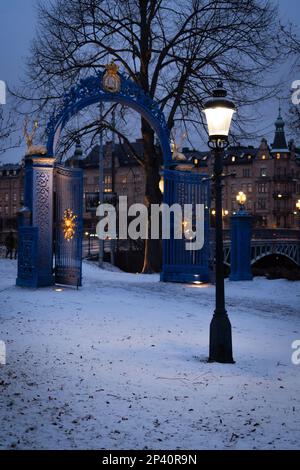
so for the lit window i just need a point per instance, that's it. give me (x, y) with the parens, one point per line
(233, 159)
(278, 156)
(263, 157)
(263, 172)
(107, 184)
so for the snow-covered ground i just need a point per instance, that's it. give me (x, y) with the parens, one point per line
(120, 364)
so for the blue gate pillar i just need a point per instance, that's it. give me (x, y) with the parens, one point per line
(240, 255)
(42, 216)
(38, 198)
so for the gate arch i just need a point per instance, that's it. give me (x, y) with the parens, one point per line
(90, 90)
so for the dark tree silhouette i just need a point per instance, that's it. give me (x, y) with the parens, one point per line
(7, 127)
(175, 50)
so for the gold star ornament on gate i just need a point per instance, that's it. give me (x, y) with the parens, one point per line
(69, 224)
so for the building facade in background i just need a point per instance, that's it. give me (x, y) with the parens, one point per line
(11, 195)
(269, 175)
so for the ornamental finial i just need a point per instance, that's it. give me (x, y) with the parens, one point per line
(29, 136)
(111, 79)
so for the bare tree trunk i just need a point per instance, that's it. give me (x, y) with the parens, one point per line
(152, 253)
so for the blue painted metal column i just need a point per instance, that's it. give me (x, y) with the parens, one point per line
(38, 198)
(27, 250)
(42, 215)
(28, 175)
(240, 256)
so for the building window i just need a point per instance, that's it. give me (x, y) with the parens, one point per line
(6, 210)
(263, 172)
(250, 188)
(278, 156)
(262, 188)
(15, 197)
(14, 210)
(6, 197)
(233, 159)
(233, 189)
(261, 204)
(107, 184)
(263, 157)
(246, 173)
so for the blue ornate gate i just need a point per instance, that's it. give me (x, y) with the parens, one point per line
(68, 225)
(109, 86)
(179, 264)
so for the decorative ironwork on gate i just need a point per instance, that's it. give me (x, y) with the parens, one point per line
(90, 90)
(68, 225)
(179, 264)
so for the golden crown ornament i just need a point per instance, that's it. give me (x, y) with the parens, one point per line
(111, 78)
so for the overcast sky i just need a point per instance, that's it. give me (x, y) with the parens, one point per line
(17, 28)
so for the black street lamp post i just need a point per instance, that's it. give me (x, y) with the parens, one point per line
(219, 112)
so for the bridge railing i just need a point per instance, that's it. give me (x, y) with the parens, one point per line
(267, 234)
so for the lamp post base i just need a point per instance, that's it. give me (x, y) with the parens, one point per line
(220, 344)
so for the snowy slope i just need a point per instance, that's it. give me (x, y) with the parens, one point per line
(120, 364)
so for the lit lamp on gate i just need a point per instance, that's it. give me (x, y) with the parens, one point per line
(241, 199)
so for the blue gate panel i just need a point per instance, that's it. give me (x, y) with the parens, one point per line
(68, 225)
(179, 264)
(27, 257)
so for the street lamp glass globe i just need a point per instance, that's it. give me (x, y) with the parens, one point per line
(218, 121)
(219, 112)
